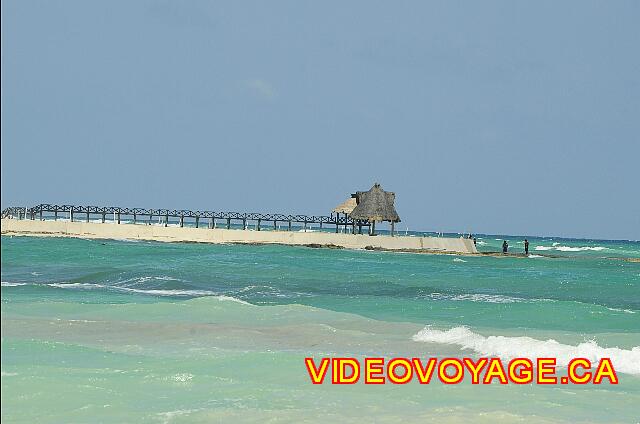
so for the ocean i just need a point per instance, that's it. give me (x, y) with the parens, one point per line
(122, 331)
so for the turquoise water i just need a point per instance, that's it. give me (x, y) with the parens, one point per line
(118, 331)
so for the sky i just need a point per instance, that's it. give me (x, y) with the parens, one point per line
(496, 117)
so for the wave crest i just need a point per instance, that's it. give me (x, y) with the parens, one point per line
(626, 361)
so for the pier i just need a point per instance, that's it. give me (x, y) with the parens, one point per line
(93, 222)
(208, 219)
(343, 228)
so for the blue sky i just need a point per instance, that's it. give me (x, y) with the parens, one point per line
(498, 117)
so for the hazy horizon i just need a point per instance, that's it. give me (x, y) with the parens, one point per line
(493, 117)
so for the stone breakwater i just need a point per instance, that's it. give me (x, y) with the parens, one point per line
(220, 235)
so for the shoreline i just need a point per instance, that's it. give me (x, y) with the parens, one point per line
(434, 245)
(311, 243)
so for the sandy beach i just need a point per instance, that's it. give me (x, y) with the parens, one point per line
(220, 235)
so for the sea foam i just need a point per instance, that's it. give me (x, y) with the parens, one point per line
(153, 292)
(560, 248)
(626, 361)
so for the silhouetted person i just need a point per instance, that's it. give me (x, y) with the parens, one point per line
(526, 246)
(505, 246)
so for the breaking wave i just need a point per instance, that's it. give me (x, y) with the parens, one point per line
(479, 297)
(153, 292)
(626, 361)
(560, 248)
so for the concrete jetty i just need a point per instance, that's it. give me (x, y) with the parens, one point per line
(142, 231)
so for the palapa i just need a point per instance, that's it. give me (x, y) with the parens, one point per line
(375, 205)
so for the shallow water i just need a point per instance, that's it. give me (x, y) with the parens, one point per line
(119, 331)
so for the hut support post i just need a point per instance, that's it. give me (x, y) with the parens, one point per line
(274, 226)
(103, 216)
(166, 219)
(228, 223)
(135, 218)
(337, 221)
(258, 227)
(197, 221)
(289, 225)
(392, 228)
(151, 218)
(55, 216)
(244, 223)
(118, 217)
(181, 221)
(41, 214)
(87, 216)
(70, 215)
(213, 223)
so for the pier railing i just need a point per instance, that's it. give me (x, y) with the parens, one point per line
(211, 219)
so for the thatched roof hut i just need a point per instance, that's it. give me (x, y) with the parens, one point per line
(375, 205)
(346, 207)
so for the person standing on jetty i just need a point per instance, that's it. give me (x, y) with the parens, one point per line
(526, 246)
(505, 246)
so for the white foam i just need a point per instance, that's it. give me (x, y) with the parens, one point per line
(8, 284)
(479, 297)
(458, 260)
(88, 286)
(626, 311)
(154, 292)
(532, 256)
(558, 247)
(232, 299)
(626, 361)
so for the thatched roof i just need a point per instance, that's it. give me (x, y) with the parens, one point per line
(346, 207)
(375, 205)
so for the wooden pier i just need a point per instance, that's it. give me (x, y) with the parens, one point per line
(211, 219)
